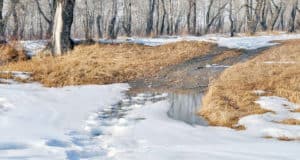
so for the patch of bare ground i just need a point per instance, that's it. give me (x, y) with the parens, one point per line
(108, 63)
(231, 97)
(226, 55)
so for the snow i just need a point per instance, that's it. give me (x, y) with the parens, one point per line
(267, 125)
(161, 138)
(18, 74)
(48, 123)
(33, 47)
(216, 66)
(239, 42)
(280, 62)
(100, 122)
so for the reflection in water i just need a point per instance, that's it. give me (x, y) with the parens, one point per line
(184, 107)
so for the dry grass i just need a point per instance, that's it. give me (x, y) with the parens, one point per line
(231, 96)
(226, 55)
(291, 122)
(283, 138)
(8, 53)
(297, 110)
(6, 75)
(105, 63)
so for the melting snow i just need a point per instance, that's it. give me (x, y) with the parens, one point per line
(33, 47)
(48, 123)
(267, 125)
(241, 42)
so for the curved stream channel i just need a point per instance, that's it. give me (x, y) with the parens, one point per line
(183, 103)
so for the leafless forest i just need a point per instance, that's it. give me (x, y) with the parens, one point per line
(33, 19)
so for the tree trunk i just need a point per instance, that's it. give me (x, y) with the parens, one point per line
(264, 16)
(63, 20)
(127, 20)
(113, 28)
(15, 20)
(149, 27)
(293, 17)
(231, 19)
(162, 28)
(2, 24)
(275, 16)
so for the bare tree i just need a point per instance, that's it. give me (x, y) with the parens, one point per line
(99, 20)
(127, 19)
(293, 16)
(163, 20)
(48, 19)
(264, 14)
(113, 28)
(276, 13)
(192, 17)
(150, 18)
(231, 19)
(3, 21)
(14, 4)
(63, 20)
(210, 19)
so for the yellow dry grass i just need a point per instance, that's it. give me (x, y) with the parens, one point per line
(8, 53)
(226, 55)
(6, 75)
(108, 63)
(291, 121)
(231, 96)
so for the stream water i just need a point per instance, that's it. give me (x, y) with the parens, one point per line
(184, 107)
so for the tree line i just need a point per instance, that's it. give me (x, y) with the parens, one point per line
(93, 19)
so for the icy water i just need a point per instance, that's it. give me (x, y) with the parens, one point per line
(184, 107)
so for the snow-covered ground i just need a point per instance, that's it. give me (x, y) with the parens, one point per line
(33, 47)
(240, 42)
(267, 125)
(100, 122)
(161, 138)
(49, 123)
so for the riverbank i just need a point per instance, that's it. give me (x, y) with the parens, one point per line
(237, 93)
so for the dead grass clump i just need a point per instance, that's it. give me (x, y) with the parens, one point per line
(297, 110)
(108, 63)
(9, 53)
(231, 96)
(226, 55)
(6, 75)
(290, 122)
(282, 138)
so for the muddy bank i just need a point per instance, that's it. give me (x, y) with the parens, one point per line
(186, 83)
(194, 74)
